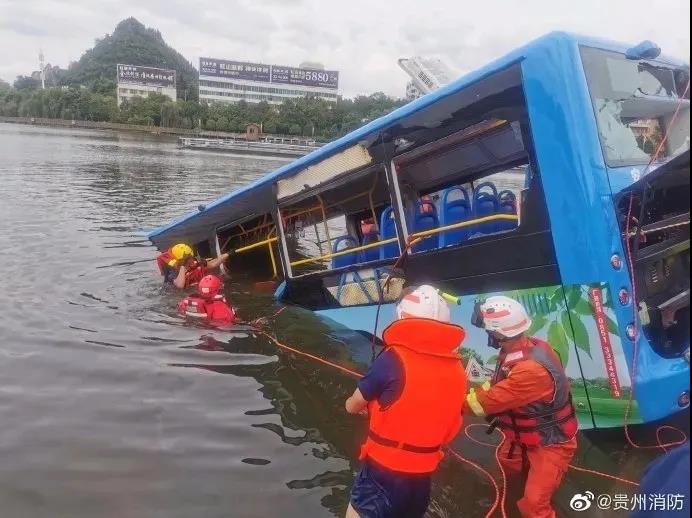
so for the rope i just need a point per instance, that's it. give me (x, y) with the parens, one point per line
(635, 313)
(499, 501)
(657, 229)
(385, 288)
(276, 342)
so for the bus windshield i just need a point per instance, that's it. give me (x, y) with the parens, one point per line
(634, 102)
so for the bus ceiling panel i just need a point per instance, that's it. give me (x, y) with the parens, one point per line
(502, 148)
(346, 186)
(504, 144)
(470, 157)
(320, 173)
(446, 109)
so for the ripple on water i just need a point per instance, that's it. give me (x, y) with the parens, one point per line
(110, 405)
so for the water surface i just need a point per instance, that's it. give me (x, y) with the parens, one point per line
(111, 406)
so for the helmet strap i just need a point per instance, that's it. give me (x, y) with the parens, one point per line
(496, 340)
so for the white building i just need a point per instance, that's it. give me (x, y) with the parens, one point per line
(136, 81)
(476, 373)
(427, 74)
(234, 81)
(412, 92)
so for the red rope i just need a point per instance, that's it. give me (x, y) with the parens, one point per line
(499, 501)
(635, 321)
(308, 355)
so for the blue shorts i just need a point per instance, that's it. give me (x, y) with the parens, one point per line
(380, 493)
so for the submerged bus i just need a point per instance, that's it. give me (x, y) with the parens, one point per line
(557, 175)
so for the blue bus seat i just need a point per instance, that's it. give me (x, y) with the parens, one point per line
(508, 205)
(371, 254)
(344, 243)
(485, 203)
(454, 211)
(425, 218)
(388, 231)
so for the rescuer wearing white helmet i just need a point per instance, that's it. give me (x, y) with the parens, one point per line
(414, 395)
(530, 399)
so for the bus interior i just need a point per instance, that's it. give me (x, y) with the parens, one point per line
(458, 182)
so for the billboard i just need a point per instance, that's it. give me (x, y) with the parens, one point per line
(305, 77)
(133, 74)
(269, 73)
(234, 69)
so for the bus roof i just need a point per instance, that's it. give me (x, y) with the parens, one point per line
(199, 225)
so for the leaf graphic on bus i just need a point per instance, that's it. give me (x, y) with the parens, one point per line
(576, 331)
(573, 295)
(612, 326)
(538, 323)
(583, 307)
(557, 297)
(558, 341)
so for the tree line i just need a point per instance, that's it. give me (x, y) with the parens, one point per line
(301, 116)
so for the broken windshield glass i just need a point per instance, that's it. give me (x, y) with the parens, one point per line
(634, 102)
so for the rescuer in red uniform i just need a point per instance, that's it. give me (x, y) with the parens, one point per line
(530, 400)
(208, 304)
(179, 266)
(414, 394)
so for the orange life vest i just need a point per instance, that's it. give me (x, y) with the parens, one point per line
(540, 423)
(408, 435)
(165, 261)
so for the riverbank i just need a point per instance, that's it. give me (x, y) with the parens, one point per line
(153, 130)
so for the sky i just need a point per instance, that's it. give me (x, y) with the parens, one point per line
(361, 38)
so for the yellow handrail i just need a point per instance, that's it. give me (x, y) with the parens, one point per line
(345, 252)
(467, 223)
(271, 256)
(255, 245)
(419, 235)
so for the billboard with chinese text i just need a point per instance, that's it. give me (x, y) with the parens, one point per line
(134, 74)
(269, 73)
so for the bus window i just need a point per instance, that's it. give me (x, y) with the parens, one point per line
(465, 205)
(322, 226)
(634, 102)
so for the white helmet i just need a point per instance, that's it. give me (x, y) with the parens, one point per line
(423, 302)
(504, 316)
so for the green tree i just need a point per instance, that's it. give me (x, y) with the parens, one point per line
(26, 83)
(134, 44)
(467, 353)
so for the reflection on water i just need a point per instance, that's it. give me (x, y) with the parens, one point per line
(112, 406)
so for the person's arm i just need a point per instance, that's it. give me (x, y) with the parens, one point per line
(356, 403)
(180, 280)
(215, 263)
(382, 382)
(527, 382)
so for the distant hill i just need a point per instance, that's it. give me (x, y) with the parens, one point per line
(134, 44)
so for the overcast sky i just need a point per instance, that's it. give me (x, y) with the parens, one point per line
(360, 38)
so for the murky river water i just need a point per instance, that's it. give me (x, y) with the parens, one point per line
(111, 406)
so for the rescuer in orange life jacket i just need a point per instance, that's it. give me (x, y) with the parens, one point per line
(208, 304)
(179, 266)
(530, 400)
(414, 394)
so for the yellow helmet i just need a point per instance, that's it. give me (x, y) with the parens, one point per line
(180, 250)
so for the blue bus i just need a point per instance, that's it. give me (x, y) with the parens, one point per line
(557, 175)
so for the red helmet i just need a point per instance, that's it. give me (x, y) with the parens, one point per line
(209, 287)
